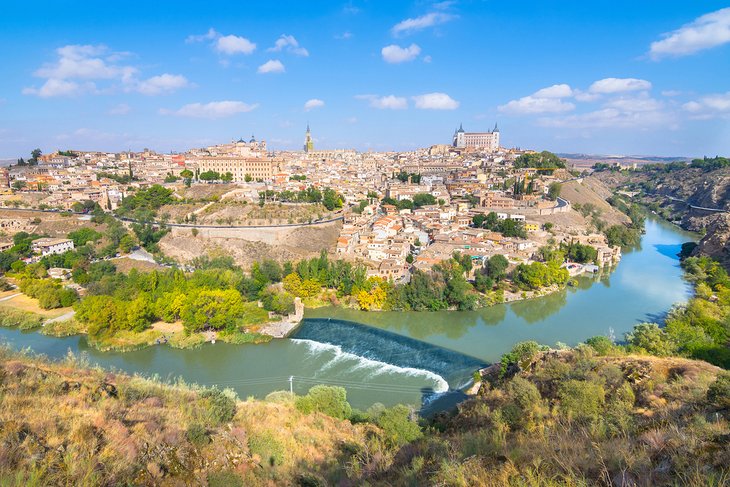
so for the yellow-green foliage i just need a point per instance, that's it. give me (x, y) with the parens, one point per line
(21, 319)
(64, 328)
(125, 341)
(63, 425)
(182, 340)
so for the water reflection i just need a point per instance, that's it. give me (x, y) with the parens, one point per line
(538, 309)
(644, 285)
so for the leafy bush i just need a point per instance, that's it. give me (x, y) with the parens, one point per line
(581, 400)
(221, 407)
(397, 425)
(197, 434)
(329, 400)
(225, 478)
(602, 345)
(268, 447)
(649, 338)
(719, 391)
(521, 354)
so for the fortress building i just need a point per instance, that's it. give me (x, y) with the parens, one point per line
(477, 140)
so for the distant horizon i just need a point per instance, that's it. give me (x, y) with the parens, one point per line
(367, 75)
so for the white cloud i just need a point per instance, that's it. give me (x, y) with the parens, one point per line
(709, 106)
(232, 44)
(427, 59)
(344, 36)
(635, 104)
(545, 100)
(312, 104)
(619, 85)
(289, 43)
(85, 62)
(408, 26)
(671, 93)
(435, 101)
(390, 102)
(532, 104)
(121, 109)
(59, 87)
(212, 110)
(611, 117)
(271, 66)
(709, 30)
(585, 96)
(555, 91)
(208, 36)
(395, 54)
(164, 83)
(76, 65)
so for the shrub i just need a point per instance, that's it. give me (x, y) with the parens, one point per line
(524, 394)
(225, 478)
(719, 391)
(602, 345)
(329, 400)
(581, 400)
(197, 434)
(649, 338)
(221, 407)
(268, 447)
(397, 425)
(521, 354)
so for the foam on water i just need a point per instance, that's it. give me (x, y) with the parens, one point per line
(375, 367)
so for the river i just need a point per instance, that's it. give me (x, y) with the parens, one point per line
(411, 357)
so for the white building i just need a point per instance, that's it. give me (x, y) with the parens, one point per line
(477, 140)
(48, 246)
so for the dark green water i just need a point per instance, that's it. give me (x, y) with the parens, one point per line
(388, 361)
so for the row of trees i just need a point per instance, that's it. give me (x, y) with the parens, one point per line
(419, 201)
(507, 227)
(328, 197)
(542, 160)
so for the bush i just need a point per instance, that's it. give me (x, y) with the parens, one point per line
(719, 391)
(268, 447)
(221, 407)
(649, 338)
(225, 478)
(602, 345)
(197, 434)
(397, 425)
(524, 394)
(581, 400)
(521, 354)
(329, 400)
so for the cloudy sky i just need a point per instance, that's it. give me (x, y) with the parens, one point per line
(609, 77)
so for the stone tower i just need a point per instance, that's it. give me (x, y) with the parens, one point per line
(308, 142)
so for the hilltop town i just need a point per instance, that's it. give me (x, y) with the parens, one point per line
(394, 212)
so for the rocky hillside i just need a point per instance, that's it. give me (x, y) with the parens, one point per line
(572, 417)
(672, 193)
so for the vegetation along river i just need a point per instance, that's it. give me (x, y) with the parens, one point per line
(407, 357)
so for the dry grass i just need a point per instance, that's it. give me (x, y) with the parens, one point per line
(125, 264)
(62, 425)
(30, 305)
(64, 328)
(124, 340)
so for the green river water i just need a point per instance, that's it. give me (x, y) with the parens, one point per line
(406, 357)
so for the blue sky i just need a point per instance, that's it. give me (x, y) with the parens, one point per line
(610, 77)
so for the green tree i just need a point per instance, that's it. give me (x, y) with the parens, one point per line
(649, 338)
(34, 156)
(554, 190)
(423, 199)
(581, 400)
(329, 400)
